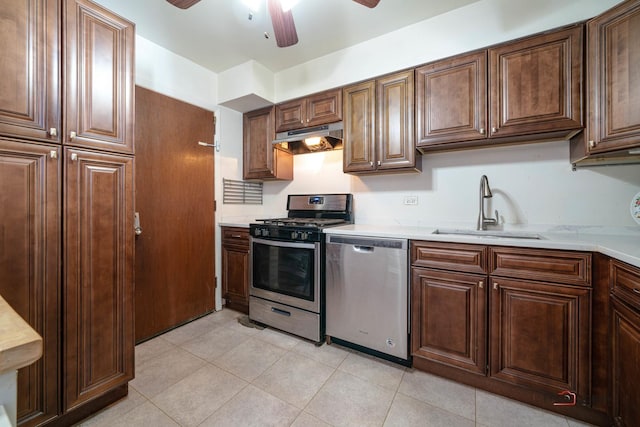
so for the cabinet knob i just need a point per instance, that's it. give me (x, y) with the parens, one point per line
(481, 284)
(53, 132)
(592, 144)
(74, 156)
(72, 135)
(370, 163)
(379, 162)
(482, 131)
(495, 286)
(494, 129)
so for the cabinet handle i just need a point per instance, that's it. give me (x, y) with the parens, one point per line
(53, 154)
(72, 135)
(235, 236)
(136, 224)
(482, 131)
(495, 286)
(379, 163)
(370, 163)
(481, 284)
(569, 396)
(53, 132)
(636, 290)
(74, 156)
(592, 144)
(494, 129)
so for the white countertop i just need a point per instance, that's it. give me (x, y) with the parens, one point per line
(624, 247)
(619, 243)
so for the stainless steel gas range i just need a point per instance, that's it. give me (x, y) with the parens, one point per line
(287, 257)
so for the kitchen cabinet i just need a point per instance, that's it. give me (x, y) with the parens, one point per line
(378, 126)
(524, 90)
(625, 343)
(518, 319)
(313, 110)
(235, 268)
(30, 93)
(260, 159)
(30, 197)
(98, 74)
(69, 259)
(612, 85)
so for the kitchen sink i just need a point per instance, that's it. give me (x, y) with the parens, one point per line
(489, 233)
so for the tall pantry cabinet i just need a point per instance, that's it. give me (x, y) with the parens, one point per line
(66, 201)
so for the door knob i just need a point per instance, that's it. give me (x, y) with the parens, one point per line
(136, 224)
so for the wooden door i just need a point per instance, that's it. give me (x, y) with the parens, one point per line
(235, 268)
(395, 134)
(175, 271)
(30, 89)
(613, 79)
(324, 107)
(540, 336)
(625, 371)
(451, 97)
(30, 264)
(98, 274)
(535, 84)
(98, 67)
(449, 318)
(359, 127)
(260, 159)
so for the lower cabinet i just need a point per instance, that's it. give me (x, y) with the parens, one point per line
(235, 268)
(67, 269)
(516, 319)
(625, 344)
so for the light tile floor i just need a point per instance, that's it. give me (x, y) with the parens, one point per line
(216, 372)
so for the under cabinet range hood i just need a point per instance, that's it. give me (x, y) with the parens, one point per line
(311, 140)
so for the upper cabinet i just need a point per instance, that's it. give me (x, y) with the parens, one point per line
(260, 159)
(613, 84)
(314, 110)
(99, 81)
(378, 125)
(525, 90)
(30, 93)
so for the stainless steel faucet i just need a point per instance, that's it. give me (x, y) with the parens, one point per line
(485, 193)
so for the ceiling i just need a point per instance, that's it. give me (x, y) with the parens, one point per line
(218, 35)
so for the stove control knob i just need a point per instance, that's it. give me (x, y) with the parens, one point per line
(265, 232)
(294, 235)
(257, 232)
(304, 236)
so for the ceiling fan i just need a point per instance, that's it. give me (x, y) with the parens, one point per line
(283, 26)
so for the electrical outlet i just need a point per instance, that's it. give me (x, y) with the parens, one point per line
(410, 200)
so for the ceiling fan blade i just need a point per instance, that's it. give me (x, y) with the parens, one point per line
(283, 26)
(183, 4)
(368, 3)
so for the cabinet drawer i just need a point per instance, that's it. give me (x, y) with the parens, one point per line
(625, 283)
(235, 235)
(448, 256)
(572, 268)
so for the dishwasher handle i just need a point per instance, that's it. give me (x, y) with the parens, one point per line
(363, 249)
(368, 242)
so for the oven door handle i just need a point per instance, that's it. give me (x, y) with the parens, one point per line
(285, 244)
(278, 311)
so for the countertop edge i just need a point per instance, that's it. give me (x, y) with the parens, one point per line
(20, 345)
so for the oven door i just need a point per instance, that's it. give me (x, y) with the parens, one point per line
(286, 272)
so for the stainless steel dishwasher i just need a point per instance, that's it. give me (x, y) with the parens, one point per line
(367, 294)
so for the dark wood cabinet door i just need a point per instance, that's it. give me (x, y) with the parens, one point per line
(613, 79)
(30, 264)
(30, 90)
(98, 324)
(395, 136)
(235, 268)
(99, 80)
(535, 84)
(324, 107)
(625, 370)
(540, 336)
(451, 97)
(291, 115)
(449, 318)
(359, 127)
(260, 159)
